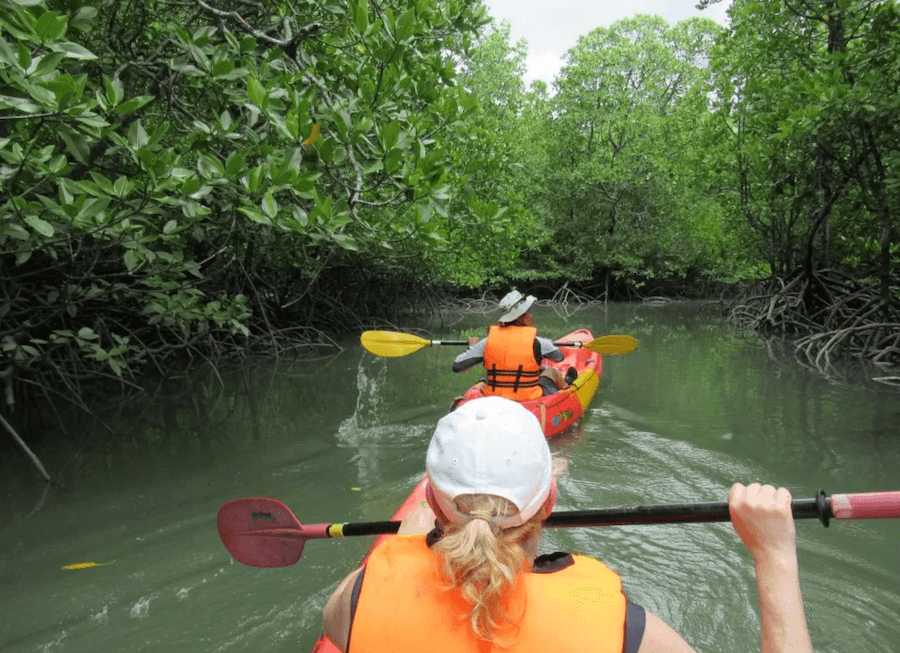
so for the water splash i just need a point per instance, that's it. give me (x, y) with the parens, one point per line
(358, 430)
(368, 410)
(102, 616)
(141, 609)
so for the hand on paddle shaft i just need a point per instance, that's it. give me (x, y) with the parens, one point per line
(390, 344)
(262, 532)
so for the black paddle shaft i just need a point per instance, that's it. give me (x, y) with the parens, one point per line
(816, 508)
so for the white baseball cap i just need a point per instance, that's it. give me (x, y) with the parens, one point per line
(515, 304)
(490, 445)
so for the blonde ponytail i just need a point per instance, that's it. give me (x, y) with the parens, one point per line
(481, 561)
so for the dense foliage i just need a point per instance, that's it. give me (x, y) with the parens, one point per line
(811, 91)
(210, 178)
(182, 178)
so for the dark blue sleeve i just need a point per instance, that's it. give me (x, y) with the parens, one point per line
(635, 621)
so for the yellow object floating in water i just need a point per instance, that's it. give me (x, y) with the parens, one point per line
(313, 136)
(86, 565)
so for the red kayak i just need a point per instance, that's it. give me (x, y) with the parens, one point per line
(556, 413)
(559, 411)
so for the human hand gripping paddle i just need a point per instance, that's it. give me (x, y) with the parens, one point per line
(390, 344)
(261, 532)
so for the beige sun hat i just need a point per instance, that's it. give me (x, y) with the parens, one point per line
(515, 304)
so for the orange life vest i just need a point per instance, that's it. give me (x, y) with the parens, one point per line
(403, 608)
(512, 370)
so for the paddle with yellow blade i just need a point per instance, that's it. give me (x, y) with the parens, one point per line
(390, 344)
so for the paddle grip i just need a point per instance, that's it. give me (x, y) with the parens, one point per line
(870, 505)
(316, 531)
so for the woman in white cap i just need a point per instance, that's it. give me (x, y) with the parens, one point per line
(512, 354)
(474, 585)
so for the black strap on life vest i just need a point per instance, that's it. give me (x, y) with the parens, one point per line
(354, 600)
(635, 622)
(522, 380)
(550, 562)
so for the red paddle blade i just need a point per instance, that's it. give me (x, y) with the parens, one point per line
(261, 532)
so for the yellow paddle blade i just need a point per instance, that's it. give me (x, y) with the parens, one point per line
(612, 344)
(86, 565)
(391, 344)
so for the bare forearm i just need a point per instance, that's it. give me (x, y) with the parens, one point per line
(782, 618)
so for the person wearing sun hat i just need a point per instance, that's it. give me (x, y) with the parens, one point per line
(512, 354)
(474, 582)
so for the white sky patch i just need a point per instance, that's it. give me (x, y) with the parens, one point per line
(542, 65)
(551, 27)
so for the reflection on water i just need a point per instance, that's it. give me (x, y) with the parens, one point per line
(691, 411)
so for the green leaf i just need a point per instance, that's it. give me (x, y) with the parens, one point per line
(170, 226)
(405, 25)
(102, 181)
(256, 92)
(133, 104)
(390, 135)
(57, 163)
(24, 56)
(114, 90)
(223, 67)
(269, 205)
(234, 163)
(301, 217)
(84, 17)
(362, 16)
(255, 215)
(75, 143)
(137, 136)
(65, 194)
(393, 159)
(21, 104)
(50, 26)
(122, 187)
(87, 333)
(73, 50)
(92, 207)
(180, 65)
(131, 260)
(40, 225)
(116, 366)
(209, 167)
(48, 64)
(345, 241)
(7, 55)
(292, 124)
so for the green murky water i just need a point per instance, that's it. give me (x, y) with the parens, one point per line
(689, 412)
